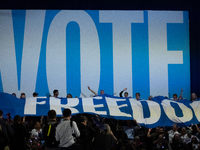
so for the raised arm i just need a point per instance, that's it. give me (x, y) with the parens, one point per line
(197, 128)
(120, 94)
(181, 95)
(148, 133)
(92, 91)
(24, 120)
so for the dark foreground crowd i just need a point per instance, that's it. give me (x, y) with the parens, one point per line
(91, 132)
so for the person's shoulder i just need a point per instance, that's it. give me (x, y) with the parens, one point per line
(81, 126)
(63, 123)
(60, 124)
(21, 125)
(153, 134)
(170, 131)
(2, 122)
(52, 122)
(33, 130)
(74, 123)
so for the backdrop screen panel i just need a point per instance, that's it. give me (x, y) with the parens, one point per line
(68, 50)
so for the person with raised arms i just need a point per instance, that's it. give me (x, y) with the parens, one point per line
(125, 94)
(101, 93)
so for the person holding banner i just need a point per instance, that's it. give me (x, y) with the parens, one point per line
(23, 95)
(69, 95)
(193, 97)
(137, 96)
(150, 97)
(125, 94)
(35, 94)
(175, 97)
(13, 94)
(101, 93)
(181, 95)
(55, 93)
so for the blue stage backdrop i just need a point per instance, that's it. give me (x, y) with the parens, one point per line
(158, 112)
(68, 50)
